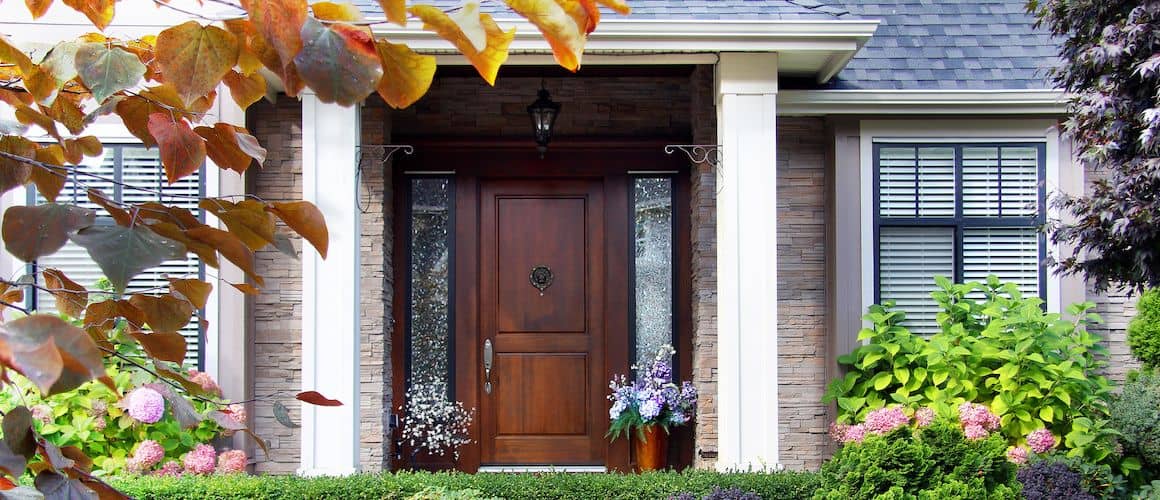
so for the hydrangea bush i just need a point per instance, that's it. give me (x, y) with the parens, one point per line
(1020, 368)
(651, 399)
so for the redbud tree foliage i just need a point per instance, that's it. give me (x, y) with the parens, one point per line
(1110, 66)
(160, 87)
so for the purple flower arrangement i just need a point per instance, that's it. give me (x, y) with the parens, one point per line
(651, 399)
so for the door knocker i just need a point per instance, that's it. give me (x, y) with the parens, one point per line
(541, 278)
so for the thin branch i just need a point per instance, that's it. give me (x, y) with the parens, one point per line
(166, 381)
(161, 3)
(14, 306)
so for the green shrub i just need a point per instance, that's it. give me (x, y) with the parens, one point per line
(1135, 413)
(932, 462)
(401, 485)
(1144, 330)
(997, 348)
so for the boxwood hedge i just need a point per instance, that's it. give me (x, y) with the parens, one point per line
(787, 485)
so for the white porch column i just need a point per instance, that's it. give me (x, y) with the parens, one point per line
(747, 423)
(330, 290)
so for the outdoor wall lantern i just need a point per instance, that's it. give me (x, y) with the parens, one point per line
(543, 112)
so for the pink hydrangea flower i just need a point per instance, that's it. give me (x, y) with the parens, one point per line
(924, 416)
(206, 382)
(134, 466)
(973, 414)
(149, 453)
(170, 469)
(1017, 455)
(100, 423)
(43, 413)
(974, 431)
(884, 420)
(232, 462)
(237, 413)
(843, 433)
(146, 405)
(1041, 440)
(200, 460)
(99, 408)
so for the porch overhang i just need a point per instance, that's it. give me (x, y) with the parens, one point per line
(805, 48)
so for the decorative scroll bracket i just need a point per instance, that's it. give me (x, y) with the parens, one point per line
(709, 154)
(388, 150)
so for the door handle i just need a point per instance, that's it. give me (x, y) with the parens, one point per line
(487, 354)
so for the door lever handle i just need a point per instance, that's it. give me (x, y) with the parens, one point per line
(487, 354)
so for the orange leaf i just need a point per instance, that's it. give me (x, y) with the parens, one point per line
(305, 219)
(182, 150)
(204, 251)
(99, 12)
(229, 246)
(14, 173)
(9, 295)
(42, 85)
(337, 11)
(194, 58)
(102, 314)
(166, 346)
(339, 62)
(37, 7)
(71, 297)
(49, 182)
(246, 288)
(314, 398)
(560, 29)
(165, 313)
(487, 61)
(6, 484)
(245, 90)
(280, 24)
(119, 215)
(231, 147)
(66, 109)
(55, 355)
(28, 115)
(247, 220)
(10, 54)
(619, 6)
(406, 74)
(194, 290)
(396, 11)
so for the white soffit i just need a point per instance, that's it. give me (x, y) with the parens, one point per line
(805, 47)
(889, 102)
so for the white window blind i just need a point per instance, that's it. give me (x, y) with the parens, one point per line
(909, 259)
(1012, 254)
(916, 182)
(135, 166)
(978, 203)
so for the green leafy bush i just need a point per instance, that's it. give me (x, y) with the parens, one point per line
(1135, 413)
(401, 485)
(1144, 330)
(997, 348)
(937, 461)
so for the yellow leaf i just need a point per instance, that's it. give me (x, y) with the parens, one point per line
(194, 58)
(406, 74)
(245, 90)
(38, 7)
(488, 61)
(279, 22)
(616, 5)
(559, 29)
(306, 220)
(396, 11)
(10, 54)
(337, 11)
(99, 12)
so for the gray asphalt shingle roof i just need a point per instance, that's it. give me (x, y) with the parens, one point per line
(920, 44)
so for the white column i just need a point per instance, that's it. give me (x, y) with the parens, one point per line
(330, 290)
(747, 423)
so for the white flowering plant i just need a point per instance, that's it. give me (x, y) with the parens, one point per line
(433, 423)
(651, 399)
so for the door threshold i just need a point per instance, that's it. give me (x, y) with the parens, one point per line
(589, 469)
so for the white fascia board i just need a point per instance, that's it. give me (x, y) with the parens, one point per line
(894, 102)
(667, 35)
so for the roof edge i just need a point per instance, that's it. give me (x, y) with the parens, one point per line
(894, 101)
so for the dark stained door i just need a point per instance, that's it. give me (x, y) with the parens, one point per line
(546, 403)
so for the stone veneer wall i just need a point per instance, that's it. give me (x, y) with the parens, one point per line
(277, 311)
(801, 292)
(703, 224)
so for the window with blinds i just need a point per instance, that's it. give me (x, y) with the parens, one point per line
(137, 167)
(964, 211)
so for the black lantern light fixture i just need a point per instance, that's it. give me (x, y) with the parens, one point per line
(543, 112)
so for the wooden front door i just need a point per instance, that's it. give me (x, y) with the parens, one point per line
(542, 257)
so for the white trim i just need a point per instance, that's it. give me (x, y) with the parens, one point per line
(747, 426)
(330, 290)
(590, 59)
(888, 102)
(961, 131)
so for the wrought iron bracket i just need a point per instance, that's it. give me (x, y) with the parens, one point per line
(698, 153)
(389, 150)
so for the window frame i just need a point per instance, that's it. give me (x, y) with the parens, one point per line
(30, 199)
(959, 222)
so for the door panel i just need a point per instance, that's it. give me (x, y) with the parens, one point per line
(546, 405)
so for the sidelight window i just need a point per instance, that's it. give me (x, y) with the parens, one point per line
(430, 222)
(652, 265)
